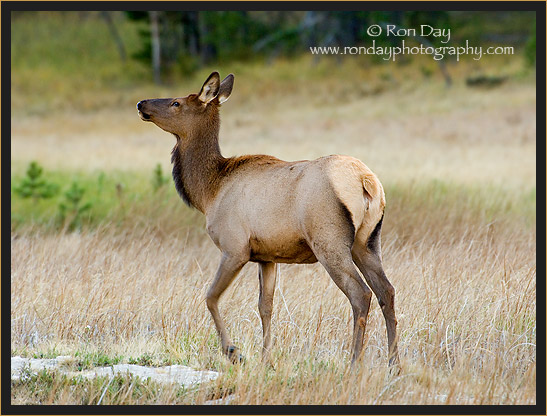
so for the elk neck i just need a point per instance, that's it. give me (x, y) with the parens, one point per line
(196, 160)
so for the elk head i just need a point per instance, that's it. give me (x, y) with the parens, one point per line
(181, 116)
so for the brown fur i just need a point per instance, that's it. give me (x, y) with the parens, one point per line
(231, 164)
(262, 209)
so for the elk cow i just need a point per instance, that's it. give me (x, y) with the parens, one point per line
(265, 210)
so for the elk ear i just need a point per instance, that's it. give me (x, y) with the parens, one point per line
(225, 89)
(210, 88)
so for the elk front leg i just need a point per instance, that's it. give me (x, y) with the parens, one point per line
(228, 269)
(266, 275)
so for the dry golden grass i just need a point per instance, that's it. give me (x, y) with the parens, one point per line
(460, 253)
(465, 304)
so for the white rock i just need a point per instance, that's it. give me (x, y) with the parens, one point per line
(178, 374)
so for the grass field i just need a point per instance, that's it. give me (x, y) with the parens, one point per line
(128, 284)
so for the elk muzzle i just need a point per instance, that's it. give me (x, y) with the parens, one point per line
(140, 108)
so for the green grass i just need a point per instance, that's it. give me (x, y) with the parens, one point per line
(49, 387)
(87, 360)
(122, 199)
(68, 61)
(117, 199)
(465, 203)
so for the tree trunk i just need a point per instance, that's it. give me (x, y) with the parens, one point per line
(190, 30)
(156, 52)
(115, 35)
(208, 50)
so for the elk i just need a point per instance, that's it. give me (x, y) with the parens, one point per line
(265, 210)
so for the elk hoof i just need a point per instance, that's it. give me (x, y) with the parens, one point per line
(234, 356)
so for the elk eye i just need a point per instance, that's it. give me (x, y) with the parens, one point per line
(175, 104)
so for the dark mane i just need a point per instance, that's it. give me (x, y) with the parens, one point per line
(177, 175)
(221, 167)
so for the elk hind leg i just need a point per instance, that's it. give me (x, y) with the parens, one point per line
(367, 257)
(344, 274)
